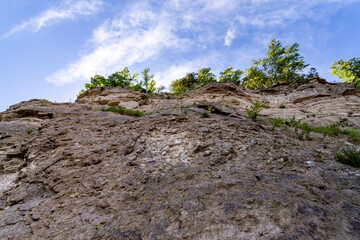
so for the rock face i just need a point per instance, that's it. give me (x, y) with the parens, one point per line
(68, 171)
(112, 96)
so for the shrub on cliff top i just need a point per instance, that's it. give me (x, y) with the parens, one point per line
(282, 63)
(192, 81)
(125, 79)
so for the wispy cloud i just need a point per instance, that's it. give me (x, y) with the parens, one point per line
(67, 10)
(230, 36)
(120, 42)
(187, 31)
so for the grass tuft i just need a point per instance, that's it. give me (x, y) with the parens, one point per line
(124, 111)
(205, 115)
(330, 130)
(350, 156)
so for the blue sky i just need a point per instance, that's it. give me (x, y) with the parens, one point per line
(50, 49)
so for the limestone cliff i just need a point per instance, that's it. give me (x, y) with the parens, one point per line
(69, 171)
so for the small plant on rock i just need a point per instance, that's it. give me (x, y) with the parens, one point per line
(189, 176)
(254, 109)
(122, 110)
(350, 156)
(205, 115)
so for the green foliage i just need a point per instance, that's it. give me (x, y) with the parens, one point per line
(117, 79)
(312, 73)
(146, 99)
(349, 70)
(121, 79)
(205, 115)
(183, 84)
(158, 178)
(276, 122)
(254, 109)
(189, 176)
(256, 78)
(330, 130)
(124, 111)
(352, 133)
(125, 79)
(29, 131)
(318, 153)
(280, 64)
(210, 109)
(192, 81)
(231, 76)
(149, 81)
(160, 90)
(204, 76)
(350, 156)
(97, 80)
(304, 134)
(292, 122)
(282, 106)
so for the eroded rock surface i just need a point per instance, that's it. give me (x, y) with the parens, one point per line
(71, 172)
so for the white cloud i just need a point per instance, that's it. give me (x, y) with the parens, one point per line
(133, 38)
(230, 36)
(184, 30)
(67, 10)
(267, 13)
(225, 5)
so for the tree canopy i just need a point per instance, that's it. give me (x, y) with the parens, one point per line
(228, 75)
(312, 73)
(149, 82)
(193, 80)
(125, 79)
(280, 64)
(349, 70)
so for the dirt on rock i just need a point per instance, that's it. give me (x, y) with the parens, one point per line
(70, 171)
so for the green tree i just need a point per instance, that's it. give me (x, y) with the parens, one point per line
(204, 76)
(348, 71)
(256, 78)
(117, 79)
(149, 81)
(183, 84)
(228, 75)
(312, 73)
(192, 80)
(121, 79)
(160, 90)
(136, 85)
(280, 64)
(97, 80)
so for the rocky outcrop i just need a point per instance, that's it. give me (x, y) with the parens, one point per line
(69, 171)
(112, 96)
